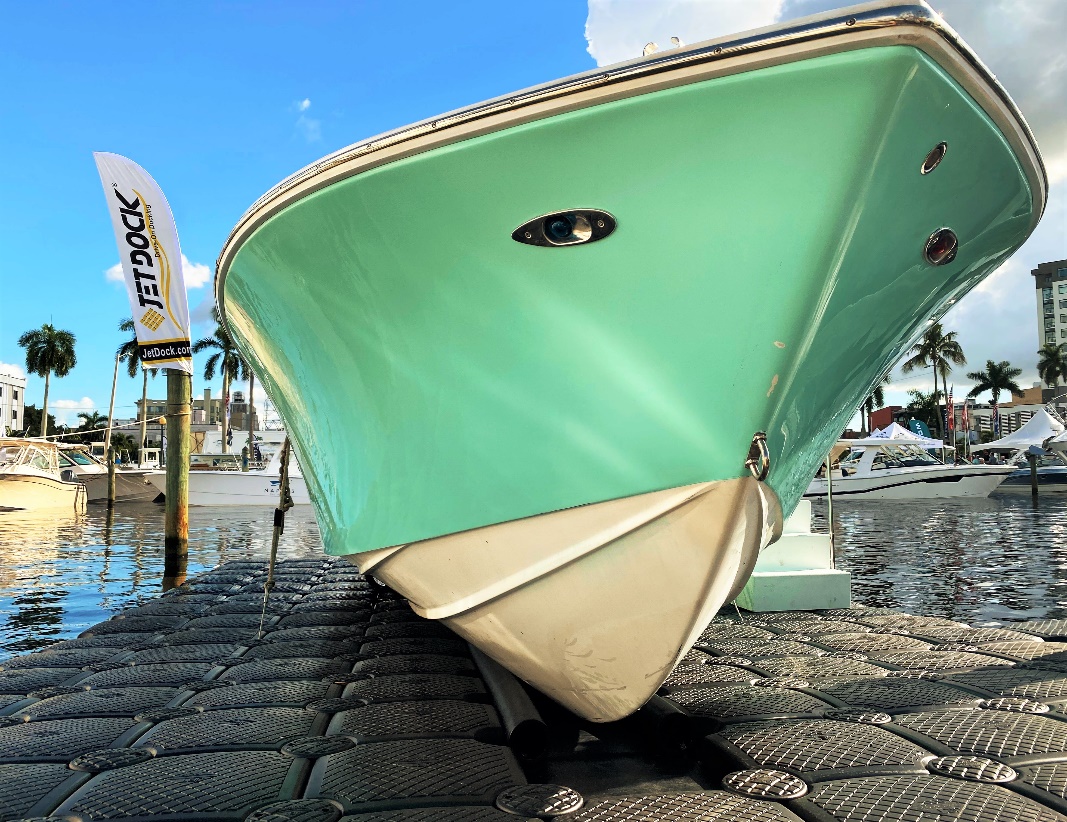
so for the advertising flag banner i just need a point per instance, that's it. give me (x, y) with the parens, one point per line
(151, 262)
(996, 421)
(951, 411)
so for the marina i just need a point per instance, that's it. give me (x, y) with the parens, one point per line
(546, 458)
(350, 705)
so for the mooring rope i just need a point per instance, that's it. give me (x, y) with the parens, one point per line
(285, 502)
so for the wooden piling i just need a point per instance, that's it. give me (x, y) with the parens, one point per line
(176, 518)
(110, 475)
(1032, 459)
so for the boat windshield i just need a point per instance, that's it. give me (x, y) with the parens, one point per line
(903, 456)
(9, 454)
(80, 457)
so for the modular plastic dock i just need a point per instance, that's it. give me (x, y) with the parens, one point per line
(350, 706)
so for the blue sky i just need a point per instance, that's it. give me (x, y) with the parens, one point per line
(221, 101)
(207, 98)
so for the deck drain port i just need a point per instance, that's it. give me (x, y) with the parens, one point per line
(765, 784)
(971, 769)
(941, 247)
(539, 801)
(934, 158)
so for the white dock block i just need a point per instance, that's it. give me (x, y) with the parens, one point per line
(796, 590)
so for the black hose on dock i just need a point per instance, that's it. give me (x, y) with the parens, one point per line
(527, 732)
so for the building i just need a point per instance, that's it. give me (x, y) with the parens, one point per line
(239, 413)
(12, 401)
(1050, 279)
(882, 417)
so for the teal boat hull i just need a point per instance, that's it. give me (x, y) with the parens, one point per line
(438, 376)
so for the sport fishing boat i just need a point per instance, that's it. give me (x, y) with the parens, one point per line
(882, 468)
(1051, 474)
(131, 484)
(558, 364)
(30, 477)
(256, 487)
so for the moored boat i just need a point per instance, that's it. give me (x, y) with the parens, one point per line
(30, 477)
(885, 469)
(256, 487)
(528, 350)
(131, 484)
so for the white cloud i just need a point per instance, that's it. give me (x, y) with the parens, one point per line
(67, 410)
(196, 274)
(1022, 43)
(12, 370)
(309, 127)
(618, 30)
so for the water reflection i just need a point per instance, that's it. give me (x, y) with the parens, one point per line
(979, 561)
(982, 561)
(61, 573)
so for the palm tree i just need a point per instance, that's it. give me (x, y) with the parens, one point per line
(1052, 363)
(876, 399)
(227, 360)
(936, 350)
(91, 420)
(997, 377)
(130, 351)
(48, 350)
(924, 406)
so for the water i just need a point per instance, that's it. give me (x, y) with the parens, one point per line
(62, 572)
(982, 562)
(979, 561)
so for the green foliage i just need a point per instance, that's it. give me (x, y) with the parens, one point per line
(1052, 363)
(91, 420)
(997, 377)
(925, 407)
(226, 360)
(31, 421)
(939, 351)
(49, 350)
(130, 351)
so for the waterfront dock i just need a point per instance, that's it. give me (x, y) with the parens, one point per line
(350, 706)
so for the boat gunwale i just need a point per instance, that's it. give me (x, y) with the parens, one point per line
(848, 25)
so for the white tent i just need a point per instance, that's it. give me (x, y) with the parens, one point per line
(896, 431)
(1038, 428)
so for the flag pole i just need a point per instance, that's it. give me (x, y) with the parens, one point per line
(111, 407)
(176, 516)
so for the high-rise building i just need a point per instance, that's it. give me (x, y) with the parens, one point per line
(1051, 282)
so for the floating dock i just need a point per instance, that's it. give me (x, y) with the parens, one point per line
(350, 706)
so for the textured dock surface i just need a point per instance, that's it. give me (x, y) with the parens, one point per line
(352, 707)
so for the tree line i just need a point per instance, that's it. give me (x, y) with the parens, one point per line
(940, 350)
(52, 351)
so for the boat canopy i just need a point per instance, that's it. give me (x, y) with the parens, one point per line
(896, 431)
(1036, 431)
(1058, 442)
(40, 454)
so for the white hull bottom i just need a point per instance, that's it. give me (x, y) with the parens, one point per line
(30, 492)
(235, 487)
(130, 486)
(595, 605)
(942, 483)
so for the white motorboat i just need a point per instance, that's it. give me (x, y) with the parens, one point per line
(30, 477)
(131, 484)
(240, 487)
(882, 468)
